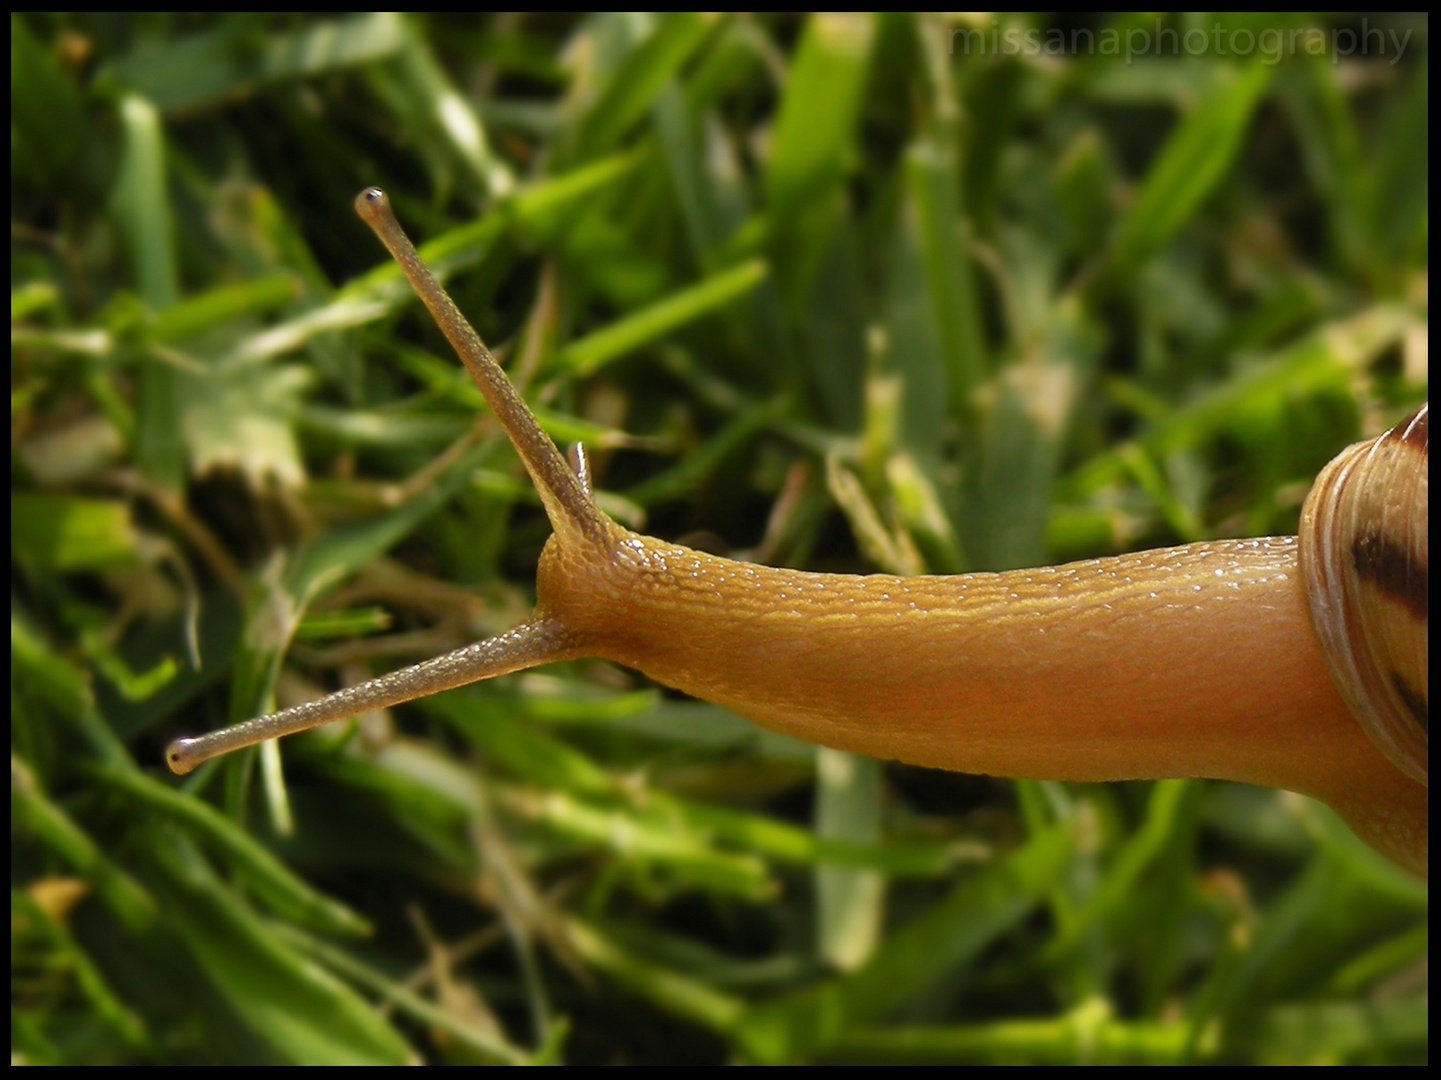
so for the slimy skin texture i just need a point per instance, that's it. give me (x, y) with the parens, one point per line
(1188, 661)
(1195, 661)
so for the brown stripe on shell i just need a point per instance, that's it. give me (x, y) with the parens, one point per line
(1412, 431)
(1389, 566)
(1415, 700)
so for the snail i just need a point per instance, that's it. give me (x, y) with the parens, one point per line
(1188, 661)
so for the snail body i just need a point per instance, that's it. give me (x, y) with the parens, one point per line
(1188, 661)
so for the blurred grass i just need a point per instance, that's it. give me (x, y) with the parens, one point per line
(997, 306)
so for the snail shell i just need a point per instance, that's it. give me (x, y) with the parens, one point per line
(1365, 557)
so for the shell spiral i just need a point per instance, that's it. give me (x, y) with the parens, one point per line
(1365, 554)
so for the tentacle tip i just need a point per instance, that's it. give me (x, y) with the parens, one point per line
(372, 203)
(181, 756)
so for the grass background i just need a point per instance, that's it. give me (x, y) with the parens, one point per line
(833, 291)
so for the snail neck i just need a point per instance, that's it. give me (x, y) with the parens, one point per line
(1190, 661)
